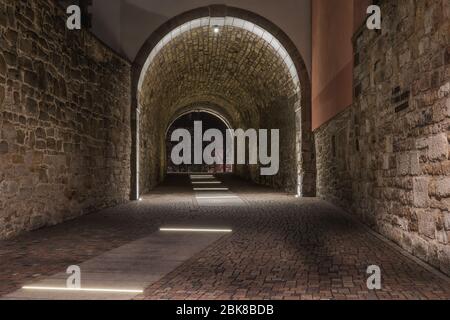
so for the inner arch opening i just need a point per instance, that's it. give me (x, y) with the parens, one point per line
(209, 120)
(216, 24)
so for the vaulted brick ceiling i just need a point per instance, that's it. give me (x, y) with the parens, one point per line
(234, 69)
(241, 72)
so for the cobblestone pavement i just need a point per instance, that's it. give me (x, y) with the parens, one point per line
(280, 248)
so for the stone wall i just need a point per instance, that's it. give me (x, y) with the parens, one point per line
(386, 158)
(64, 115)
(280, 115)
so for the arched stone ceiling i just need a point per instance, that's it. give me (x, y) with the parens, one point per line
(239, 68)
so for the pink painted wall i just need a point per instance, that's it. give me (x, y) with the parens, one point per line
(333, 25)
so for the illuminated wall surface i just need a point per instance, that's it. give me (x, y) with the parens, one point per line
(383, 156)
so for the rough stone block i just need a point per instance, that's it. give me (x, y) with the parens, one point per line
(427, 224)
(420, 192)
(40, 133)
(31, 78)
(3, 68)
(20, 136)
(447, 221)
(389, 144)
(444, 90)
(17, 159)
(438, 147)
(41, 144)
(403, 164)
(414, 163)
(31, 107)
(4, 147)
(8, 187)
(447, 107)
(420, 248)
(34, 75)
(444, 259)
(443, 187)
(2, 95)
(386, 161)
(442, 237)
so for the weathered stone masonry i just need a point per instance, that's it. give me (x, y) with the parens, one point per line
(387, 156)
(64, 115)
(237, 71)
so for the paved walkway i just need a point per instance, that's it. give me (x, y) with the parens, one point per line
(122, 273)
(280, 247)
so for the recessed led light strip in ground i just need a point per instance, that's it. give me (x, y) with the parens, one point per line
(211, 189)
(206, 182)
(82, 289)
(218, 197)
(195, 230)
(201, 176)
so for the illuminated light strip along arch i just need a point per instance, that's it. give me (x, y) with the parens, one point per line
(199, 109)
(221, 22)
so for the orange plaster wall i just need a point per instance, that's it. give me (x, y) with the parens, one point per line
(333, 24)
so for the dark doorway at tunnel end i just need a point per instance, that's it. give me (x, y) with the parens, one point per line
(186, 121)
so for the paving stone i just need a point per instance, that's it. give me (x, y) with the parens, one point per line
(280, 247)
